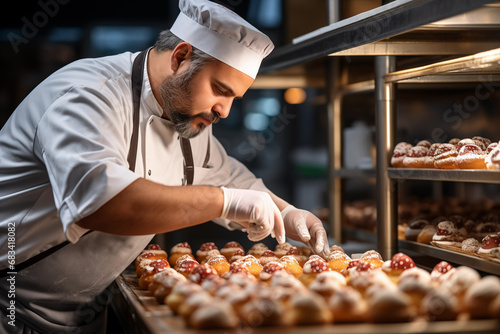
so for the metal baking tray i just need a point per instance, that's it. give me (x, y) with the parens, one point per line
(140, 313)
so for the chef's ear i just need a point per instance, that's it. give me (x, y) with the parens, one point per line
(181, 53)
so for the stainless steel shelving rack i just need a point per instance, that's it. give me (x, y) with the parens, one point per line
(398, 28)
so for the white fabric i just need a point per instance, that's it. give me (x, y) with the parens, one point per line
(223, 34)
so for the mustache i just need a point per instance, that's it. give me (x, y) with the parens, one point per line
(184, 117)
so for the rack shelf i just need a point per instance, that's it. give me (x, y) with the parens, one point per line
(453, 175)
(365, 29)
(446, 255)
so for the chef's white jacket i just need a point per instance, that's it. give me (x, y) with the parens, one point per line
(63, 154)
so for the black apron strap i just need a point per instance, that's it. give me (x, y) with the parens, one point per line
(188, 161)
(137, 77)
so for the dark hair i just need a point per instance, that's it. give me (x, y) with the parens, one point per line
(167, 41)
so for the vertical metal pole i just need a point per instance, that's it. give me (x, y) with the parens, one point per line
(385, 113)
(334, 135)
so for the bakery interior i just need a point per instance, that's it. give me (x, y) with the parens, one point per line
(347, 82)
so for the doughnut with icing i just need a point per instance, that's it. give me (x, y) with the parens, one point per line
(445, 156)
(471, 156)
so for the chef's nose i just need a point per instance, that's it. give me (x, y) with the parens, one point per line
(222, 108)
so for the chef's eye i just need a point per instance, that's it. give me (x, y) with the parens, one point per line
(219, 90)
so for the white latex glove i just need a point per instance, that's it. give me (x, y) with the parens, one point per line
(255, 211)
(302, 225)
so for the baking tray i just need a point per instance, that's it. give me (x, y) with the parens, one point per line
(139, 312)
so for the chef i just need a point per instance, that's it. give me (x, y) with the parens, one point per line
(107, 152)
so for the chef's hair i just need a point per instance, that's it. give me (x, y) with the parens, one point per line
(167, 41)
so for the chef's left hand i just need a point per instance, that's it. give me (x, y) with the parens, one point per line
(302, 225)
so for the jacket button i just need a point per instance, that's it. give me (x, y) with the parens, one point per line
(149, 172)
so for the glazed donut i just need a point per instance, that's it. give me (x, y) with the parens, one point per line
(348, 306)
(251, 263)
(489, 243)
(372, 257)
(314, 266)
(425, 236)
(463, 142)
(152, 268)
(201, 272)
(429, 158)
(281, 249)
(269, 269)
(445, 156)
(391, 305)
(481, 295)
(448, 234)
(471, 156)
(307, 309)
(301, 259)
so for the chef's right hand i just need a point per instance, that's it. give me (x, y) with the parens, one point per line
(255, 211)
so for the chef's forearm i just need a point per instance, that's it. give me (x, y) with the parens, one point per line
(146, 207)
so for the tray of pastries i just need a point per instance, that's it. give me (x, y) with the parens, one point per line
(467, 153)
(260, 289)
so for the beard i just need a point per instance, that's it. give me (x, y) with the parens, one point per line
(177, 105)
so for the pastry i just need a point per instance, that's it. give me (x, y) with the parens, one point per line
(327, 283)
(192, 303)
(372, 257)
(291, 265)
(312, 268)
(201, 253)
(390, 305)
(463, 142)
(448, 234)
(269, 269)
(439, 305)
(159, 277)
(425, 236)
(219, 263)
(307, 309)
(482, 142)
(201, 272)
(185, 265)
(153, 252)
(266, 257)
(152, 268)
(210, 254)
(471, 156)
(348, 306)
(399, 263)
(481, 295)
(441, 272)
(251, 263)
(492, 160)
(445, 156)
(489, 243)
(217, 315)
(167, 284)
(179, 250)
(338, 261)
(471, 245)
(179, 293)
(399, 153)
(281, 249)
(263, 311)
(257, 249)
(415, 228)
(458, 283)
(415, 283)
(429, 158)
(301, 258)
(230, 249)
(240, 253)
(415, 157)
(491, 147)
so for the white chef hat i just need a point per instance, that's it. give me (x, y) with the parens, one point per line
(222, 34)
